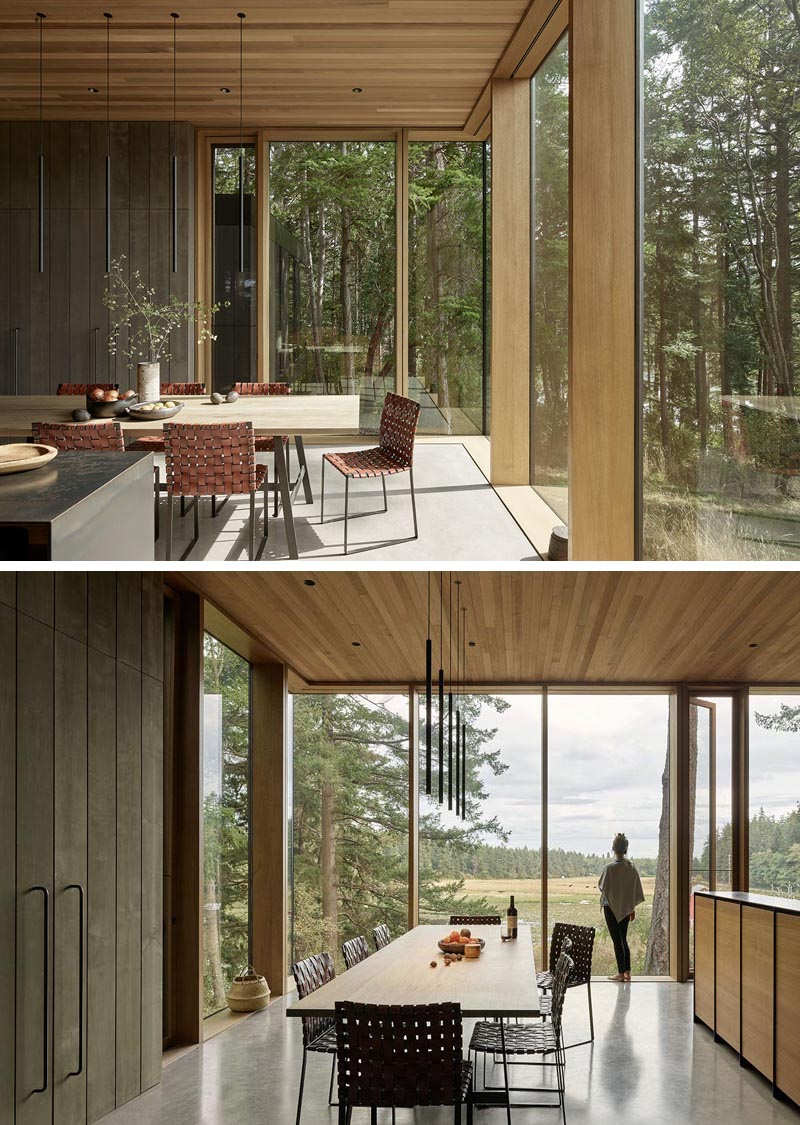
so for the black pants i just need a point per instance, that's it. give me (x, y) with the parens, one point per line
(619, 936)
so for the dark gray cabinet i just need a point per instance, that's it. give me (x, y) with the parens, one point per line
(80, 851)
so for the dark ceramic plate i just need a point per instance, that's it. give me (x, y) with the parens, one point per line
(109, 409)
(154, 415)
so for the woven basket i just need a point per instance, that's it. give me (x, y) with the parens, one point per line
(248, 992)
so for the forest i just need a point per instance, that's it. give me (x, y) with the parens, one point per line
(721, 256)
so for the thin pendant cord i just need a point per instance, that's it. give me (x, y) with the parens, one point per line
(441, 687)
(173, 144)
(428, 693)
(241, 16)
(41, 17)
(463, 719)
(108, 18)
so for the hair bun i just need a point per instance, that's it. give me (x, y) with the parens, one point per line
(620, 844)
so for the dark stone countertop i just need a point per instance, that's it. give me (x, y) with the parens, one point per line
(42, 495)
(745, 898)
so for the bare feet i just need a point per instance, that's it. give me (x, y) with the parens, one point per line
(627, 978)
(618, 977)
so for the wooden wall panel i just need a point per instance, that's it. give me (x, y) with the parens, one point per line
(63, 323)
(787, 1004)
(129, 618)
(70, 857)
(757, 987)
(511, 282)
(101, 996)
(35, 595)
(129, 884)
(8, 874)
(602, 253)
(268, 811)
(70, 606)
(727, 972)
(102, 611)
(704, 960)
(151, 875)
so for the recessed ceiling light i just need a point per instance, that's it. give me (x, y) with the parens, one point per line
(753, 645)
(92, 89)
(472, 644)
(309, 582)
(357, 90)
(356, 644)
(224, 89)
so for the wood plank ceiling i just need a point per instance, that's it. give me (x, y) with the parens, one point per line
(599, 627)
(419, 63)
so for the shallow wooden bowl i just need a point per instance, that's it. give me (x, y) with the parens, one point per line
(455, 946)
(25, 456)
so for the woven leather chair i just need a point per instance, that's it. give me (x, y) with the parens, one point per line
(544, 1040)
(474, 919)
(381, 936)
(393, 455)
(184, 390)
(154, 443)
(265, 443)
(84, 388)
(581, 950)
(88, 437)
(215, 459)
(355, 951)
(319, 1032)
(401, 1056)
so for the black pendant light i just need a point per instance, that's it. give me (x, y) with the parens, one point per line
(173, 160)
(242, 18)
(108, 19)
(428, 694)
(441, 689)
(458, 702)
(450, 697)
(41, 17)
(464, 720)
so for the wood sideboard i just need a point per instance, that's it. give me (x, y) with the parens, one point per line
(747, 980)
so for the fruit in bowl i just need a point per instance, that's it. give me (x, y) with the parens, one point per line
(457, 941)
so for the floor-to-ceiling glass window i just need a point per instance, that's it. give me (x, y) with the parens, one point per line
(233, 347)
(608, 772)
(349, 822)
(473, 864)
(550, 252)
(721, 260)
(226, 820)
(774, 744)
(447, 282)
(333, 293)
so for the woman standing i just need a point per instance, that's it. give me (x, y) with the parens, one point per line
(621, 890)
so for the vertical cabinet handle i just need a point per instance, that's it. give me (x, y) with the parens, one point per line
(81, 941)
(16, 359)
(45, 991)
(94, 366)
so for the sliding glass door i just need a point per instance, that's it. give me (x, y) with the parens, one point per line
(774, 815)
(234, 254)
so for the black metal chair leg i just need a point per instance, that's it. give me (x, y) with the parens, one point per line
(170, 520)
(373, 1115)
(183, 505)
(303, 466)
(346, 502)
(213, 507)
(322, 495)
(591, 1014)
(457, 1114)
(157, 477)
(302, 1083)
(330, 1088)
(252, 545)
(266, 508)
(196, 518)
(413, 503)
(385, 501)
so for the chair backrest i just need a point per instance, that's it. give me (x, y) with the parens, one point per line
(561, 982)
(210, 459)
(397, 428)
(582, 938)
(474, 919)
(84, 388)
(381, 936)
(354, 951)
(309, 975)
(183, 388)
(404, 1055)
(262, 388)
(89, 437)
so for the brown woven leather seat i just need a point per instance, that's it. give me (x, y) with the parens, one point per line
(394, 454)
(183, 389)
(381, 936)
(474, 919)
(401, 1056)
(355, 951)
(265, 443)
(84, 388)
(213, 459)
(319, 1032)
(88, 437)
(154, 443)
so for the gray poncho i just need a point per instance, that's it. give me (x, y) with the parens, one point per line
(622, 887)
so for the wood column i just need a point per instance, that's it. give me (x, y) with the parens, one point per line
(268, 828)
(602, 279)
(679, 882)
(511, 282)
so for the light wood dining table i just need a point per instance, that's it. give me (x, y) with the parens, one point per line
(296, 416)
(500, 983)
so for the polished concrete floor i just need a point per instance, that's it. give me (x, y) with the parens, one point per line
(460, 517)
(649, 1064)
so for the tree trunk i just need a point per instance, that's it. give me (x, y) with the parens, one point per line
(212, 945)
(783, 251)
(345, 260)
(327, 858)
(656, 962)
(701, 393)
(374, 342)
(313, 297)
(435, 218)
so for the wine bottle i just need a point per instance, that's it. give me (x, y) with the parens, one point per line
(511, 919)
